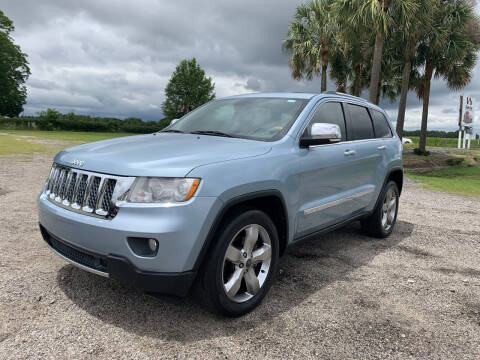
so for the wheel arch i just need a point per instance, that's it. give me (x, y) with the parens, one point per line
(271, 202)
(396, 175)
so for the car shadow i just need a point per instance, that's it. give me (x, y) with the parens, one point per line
(305, 269)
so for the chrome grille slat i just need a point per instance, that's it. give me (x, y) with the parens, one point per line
(55, 182)
(84, 191)
(91, 199)
(71, 187)
(59, 185)
(63, 184)
(80, 193)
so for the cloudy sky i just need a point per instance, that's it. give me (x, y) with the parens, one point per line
(114, 58)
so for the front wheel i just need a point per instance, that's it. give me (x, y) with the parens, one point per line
(241, 268)
(382, 221)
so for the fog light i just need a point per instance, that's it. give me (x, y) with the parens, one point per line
(153, 245)
(143, 246)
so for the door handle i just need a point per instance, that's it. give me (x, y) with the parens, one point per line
(383, 147)
(349, 152)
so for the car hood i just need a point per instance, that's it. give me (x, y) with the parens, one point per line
(160, 154)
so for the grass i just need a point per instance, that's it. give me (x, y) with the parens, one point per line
(441, 142)
(24, 142)
(72, 136)
(460, 180)
(9, 145)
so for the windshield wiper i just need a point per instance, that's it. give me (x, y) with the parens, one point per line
(173, 131)
(212, 133)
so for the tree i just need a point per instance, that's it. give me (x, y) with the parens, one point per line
(309, 40)
(14, 71)
(350, 53)
(407, 38)
(382, 16)
(187, 89)
(449, 52)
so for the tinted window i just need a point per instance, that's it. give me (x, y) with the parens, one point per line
(330, 113)
(382, 130)
(360, 126)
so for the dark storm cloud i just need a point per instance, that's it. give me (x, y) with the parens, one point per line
(114, 58)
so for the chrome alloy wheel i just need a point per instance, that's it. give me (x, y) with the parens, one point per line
(389, 209)
(247, 263)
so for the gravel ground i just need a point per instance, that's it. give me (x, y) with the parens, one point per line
(414, 295)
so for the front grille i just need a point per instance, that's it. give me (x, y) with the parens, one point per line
(84, 191)
(80, 257)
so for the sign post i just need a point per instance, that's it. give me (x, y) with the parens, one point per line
(460, 112)
(466, 124)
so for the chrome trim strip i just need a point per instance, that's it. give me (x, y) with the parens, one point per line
(83, 267)
(336, 202)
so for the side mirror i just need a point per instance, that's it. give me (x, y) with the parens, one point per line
(173, 121)
(321, 134)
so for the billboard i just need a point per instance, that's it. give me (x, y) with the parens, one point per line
(468, 121)
(468, 113)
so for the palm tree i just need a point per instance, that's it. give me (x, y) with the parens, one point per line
(339, 69)
(309, 40)
(449, 52)
(381, 16)
(352, 51)
(407, 39)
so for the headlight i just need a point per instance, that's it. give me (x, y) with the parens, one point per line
(162, 190)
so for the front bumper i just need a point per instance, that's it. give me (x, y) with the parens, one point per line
(120, 269)
(101, 246)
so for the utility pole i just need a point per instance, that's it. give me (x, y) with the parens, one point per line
(460, 113)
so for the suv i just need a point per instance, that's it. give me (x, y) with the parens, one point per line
(216, 197)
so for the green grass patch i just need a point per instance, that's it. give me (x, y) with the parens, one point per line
(9, 145)
(441, 142)
(71, 136)
(464, 180)
(24, 142)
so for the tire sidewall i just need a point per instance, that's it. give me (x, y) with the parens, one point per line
(390, 184)
(215, 267)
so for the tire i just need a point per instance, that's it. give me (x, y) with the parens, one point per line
(382, 221)
(226, 282)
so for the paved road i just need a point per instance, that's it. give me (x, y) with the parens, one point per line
(415, 295)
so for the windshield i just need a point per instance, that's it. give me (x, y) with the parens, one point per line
(252, 118)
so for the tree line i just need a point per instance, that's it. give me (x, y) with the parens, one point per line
(51, 119)
(386, 46)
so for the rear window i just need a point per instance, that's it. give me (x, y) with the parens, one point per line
(380, 123)
(359, 126)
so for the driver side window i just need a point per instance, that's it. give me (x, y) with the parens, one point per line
(331, 113)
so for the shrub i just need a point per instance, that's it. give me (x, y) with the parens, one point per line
(454, 161)
(417, 151)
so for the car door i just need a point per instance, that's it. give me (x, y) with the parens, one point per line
(328, 177)
(367, 156)
(387, 144)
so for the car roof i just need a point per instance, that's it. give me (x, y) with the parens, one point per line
(309, 96)
(286, 95)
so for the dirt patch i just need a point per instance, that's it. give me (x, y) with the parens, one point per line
(342, 295)
(415, 251)
(461, 271)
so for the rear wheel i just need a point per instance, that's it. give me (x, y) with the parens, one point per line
(241, 268)
(381, 223)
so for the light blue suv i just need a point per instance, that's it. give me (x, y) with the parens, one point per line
(215, 198)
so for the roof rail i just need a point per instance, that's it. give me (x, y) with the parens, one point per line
(344, 95)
